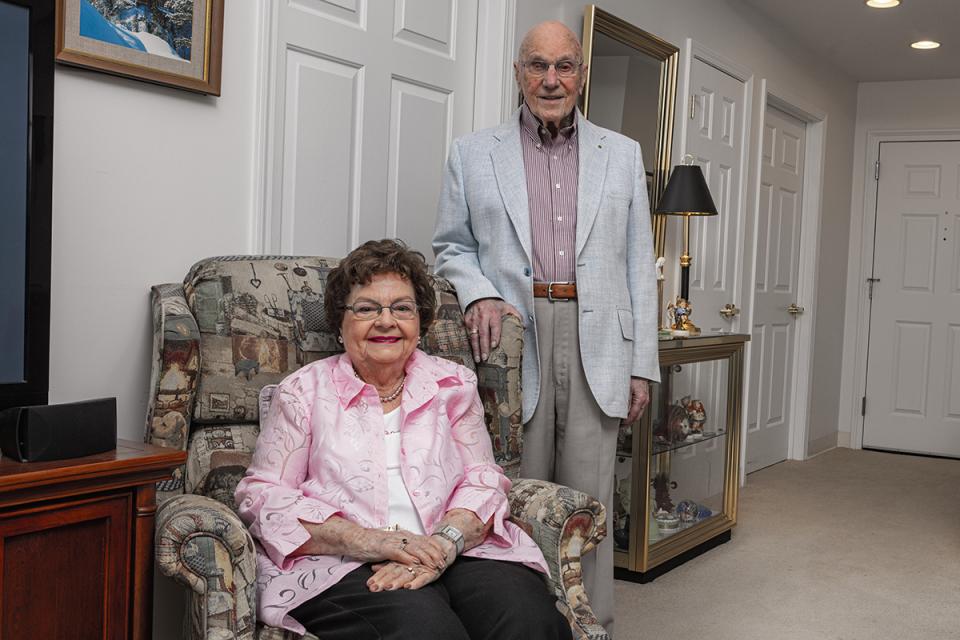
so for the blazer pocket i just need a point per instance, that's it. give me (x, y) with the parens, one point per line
(626, 323)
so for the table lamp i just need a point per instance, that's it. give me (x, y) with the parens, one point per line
(686, 195)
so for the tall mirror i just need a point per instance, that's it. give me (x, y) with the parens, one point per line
(631, 88)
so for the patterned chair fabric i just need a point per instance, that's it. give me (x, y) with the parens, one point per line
(240, 323)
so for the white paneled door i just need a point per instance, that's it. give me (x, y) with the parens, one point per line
(777, 309)
(716, 138)
(365, 98)
(913, 362)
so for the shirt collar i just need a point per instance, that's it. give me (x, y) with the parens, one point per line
(423, 376)
(533, 127)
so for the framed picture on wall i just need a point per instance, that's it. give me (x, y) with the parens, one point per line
(177, 43)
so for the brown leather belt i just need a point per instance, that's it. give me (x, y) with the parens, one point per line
(555, 290)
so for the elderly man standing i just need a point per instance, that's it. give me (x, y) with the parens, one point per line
(546, 218)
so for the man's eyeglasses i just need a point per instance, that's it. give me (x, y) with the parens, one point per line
(366, 310)
(564, 68)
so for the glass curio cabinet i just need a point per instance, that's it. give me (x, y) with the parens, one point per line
(678, 467)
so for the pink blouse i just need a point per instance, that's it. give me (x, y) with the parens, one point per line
(321, 453)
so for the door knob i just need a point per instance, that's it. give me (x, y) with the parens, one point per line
(729, 310)
(793, 309)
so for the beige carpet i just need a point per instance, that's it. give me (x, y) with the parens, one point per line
(849, 545)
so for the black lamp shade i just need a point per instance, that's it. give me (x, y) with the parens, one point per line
(687, 194)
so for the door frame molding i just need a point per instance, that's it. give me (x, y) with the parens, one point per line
(263, 181)
(494, 87)
(496, 26)
(856, 333)
(810, 213)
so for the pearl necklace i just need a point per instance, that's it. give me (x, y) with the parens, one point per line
(392, 395)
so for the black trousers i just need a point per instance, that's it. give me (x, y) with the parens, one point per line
(474, 599)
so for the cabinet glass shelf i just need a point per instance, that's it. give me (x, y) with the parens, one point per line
(681, 459)
(663, 447)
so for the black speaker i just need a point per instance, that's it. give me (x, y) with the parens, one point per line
(57, 431)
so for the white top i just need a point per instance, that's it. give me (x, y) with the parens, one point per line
(402, 511)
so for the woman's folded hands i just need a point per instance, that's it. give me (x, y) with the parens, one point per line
(414, 561)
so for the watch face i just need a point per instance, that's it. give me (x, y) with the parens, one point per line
(453, 535)
(453, 532)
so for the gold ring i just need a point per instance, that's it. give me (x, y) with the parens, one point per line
(410, 569)
(475, 331)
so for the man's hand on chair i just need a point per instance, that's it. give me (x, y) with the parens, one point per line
(483, 319)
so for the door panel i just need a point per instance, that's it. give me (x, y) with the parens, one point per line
(368, 97)
(312, 175)
(913, 372)
(716, 138)
(773, 335)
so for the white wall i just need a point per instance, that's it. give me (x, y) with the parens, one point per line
(882, 107)
(740, 35)
(147, 180)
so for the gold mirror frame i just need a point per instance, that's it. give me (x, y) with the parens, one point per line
(596, 20)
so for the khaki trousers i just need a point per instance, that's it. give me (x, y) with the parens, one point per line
(569, 440)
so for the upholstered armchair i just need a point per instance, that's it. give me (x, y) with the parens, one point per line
(237, 324)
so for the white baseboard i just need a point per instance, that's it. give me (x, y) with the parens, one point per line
(821, 445)
(843, 439)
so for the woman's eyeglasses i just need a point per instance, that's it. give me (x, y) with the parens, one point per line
(366, 310)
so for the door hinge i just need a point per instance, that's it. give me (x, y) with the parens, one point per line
(863, 406)
(870, 283)
(693, 106)
(876, 170)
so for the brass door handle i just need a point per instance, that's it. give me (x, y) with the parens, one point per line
(729, 310)
(793, 309)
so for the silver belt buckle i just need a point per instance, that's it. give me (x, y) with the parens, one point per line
(550, 292)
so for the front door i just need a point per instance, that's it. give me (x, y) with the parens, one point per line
(913, 361)
(776, 309)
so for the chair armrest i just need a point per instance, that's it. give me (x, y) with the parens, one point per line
(566, 524)
(173, 376)
(203, 545)
(498, 382)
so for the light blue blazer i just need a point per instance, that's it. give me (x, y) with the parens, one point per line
(482, 243)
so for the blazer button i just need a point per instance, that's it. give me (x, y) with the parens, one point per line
(530, 317)
(526, 271)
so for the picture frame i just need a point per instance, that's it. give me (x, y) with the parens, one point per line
(176, 43)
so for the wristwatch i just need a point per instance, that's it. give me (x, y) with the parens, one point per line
(452, 534)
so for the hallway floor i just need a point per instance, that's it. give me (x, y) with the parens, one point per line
(850, 545)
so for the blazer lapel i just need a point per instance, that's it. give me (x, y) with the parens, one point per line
(512, 180)
(593, 170)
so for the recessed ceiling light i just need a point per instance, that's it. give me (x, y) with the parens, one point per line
(925, 44)
(882, 4)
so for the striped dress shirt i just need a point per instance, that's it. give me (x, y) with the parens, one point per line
(551, 166)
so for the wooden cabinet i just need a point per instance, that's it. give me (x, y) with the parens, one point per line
(678, 468)
(76, 544)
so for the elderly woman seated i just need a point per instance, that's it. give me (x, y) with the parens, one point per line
(373, 493)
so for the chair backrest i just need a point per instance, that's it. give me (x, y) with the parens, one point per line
(258, 319)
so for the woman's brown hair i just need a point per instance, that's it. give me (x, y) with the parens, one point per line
(376, 257)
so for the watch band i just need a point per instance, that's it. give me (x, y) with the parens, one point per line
(452, 534)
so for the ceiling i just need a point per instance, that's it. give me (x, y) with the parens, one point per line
(873, 44)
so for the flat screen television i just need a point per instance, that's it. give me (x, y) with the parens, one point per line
(26, 193)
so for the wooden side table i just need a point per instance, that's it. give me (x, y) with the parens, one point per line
(76, 543)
